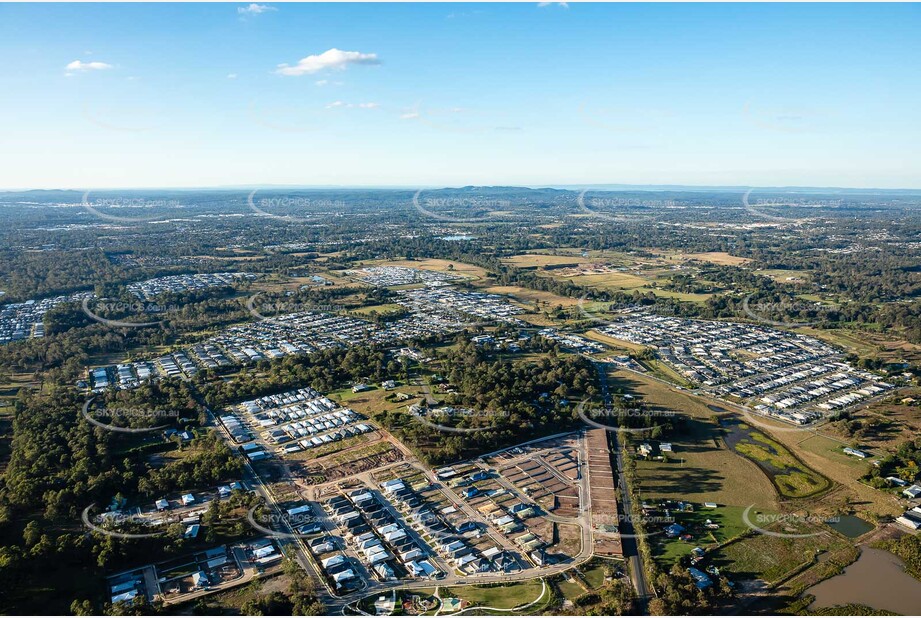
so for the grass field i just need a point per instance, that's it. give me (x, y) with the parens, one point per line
(231, 601)
(714, 257)
(626, 282)
(594, 575)
(10, 388)
(786, 276)
(614, 343)
(825, 456)
(731, 525)
(702, 467)
(526, 296)
(832, 451)
(379, 309)
(335, 281)
(328, 449)
(611, 281)
(771, 557)
(372, 402)
(792, 478)
(652, 270)
(864, 343)
(843, 339)
(502, 597)
(459, 268)
(533, 260)
(570, 589)
(664, 371)
(684, 296)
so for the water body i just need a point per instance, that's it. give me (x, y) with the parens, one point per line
(849, 525)
(736, 431)
(788, 474)
(878, 580)
(458, 237)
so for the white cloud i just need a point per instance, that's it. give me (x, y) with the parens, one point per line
(345, 105)
(330, 59)
(564, 5)
(231, 76)
(321, 82)
(410, 115)
(255, 9)
(78, 65)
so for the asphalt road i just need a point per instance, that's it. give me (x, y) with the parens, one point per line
(336, 604)
(628, 541)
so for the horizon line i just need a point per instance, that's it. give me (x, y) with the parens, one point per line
(406, 187)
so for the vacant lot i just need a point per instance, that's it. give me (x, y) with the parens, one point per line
(614, 343)
(528, 297)
(502, 597)
(378, 309)
(825, 456)
(786, 276)
(611, 281)
(714, 257)
(770, 557)
(458, 268)
(792, 478)
(533, 260)
(701, 468)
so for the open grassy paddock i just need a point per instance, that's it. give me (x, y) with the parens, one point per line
(667, 551)
(701, 468)
(502, 597)
(614, 343)
(459, 268)
(527, 297)
(714, 257)
(771, 558)
(534, 260)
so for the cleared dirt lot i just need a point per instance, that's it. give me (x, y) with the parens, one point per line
(536, 479)
(602, 493)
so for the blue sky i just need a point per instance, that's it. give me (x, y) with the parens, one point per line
(455, 94)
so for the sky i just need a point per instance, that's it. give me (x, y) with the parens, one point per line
(538, 94)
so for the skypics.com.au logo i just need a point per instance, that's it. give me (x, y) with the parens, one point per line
(786, 525)
(128, 209)
(437, 419)
(643, 420)
(302, 523)
(270, 207)
(137, 310)
(128, 415)
(757, 207)
(615, 208)
(277, 311)
(760, 310)
(439, 207)
(117, 524)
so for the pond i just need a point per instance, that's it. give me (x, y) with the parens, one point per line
(791, 477)
(457, 237)
(878, 580)
(849, 525)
